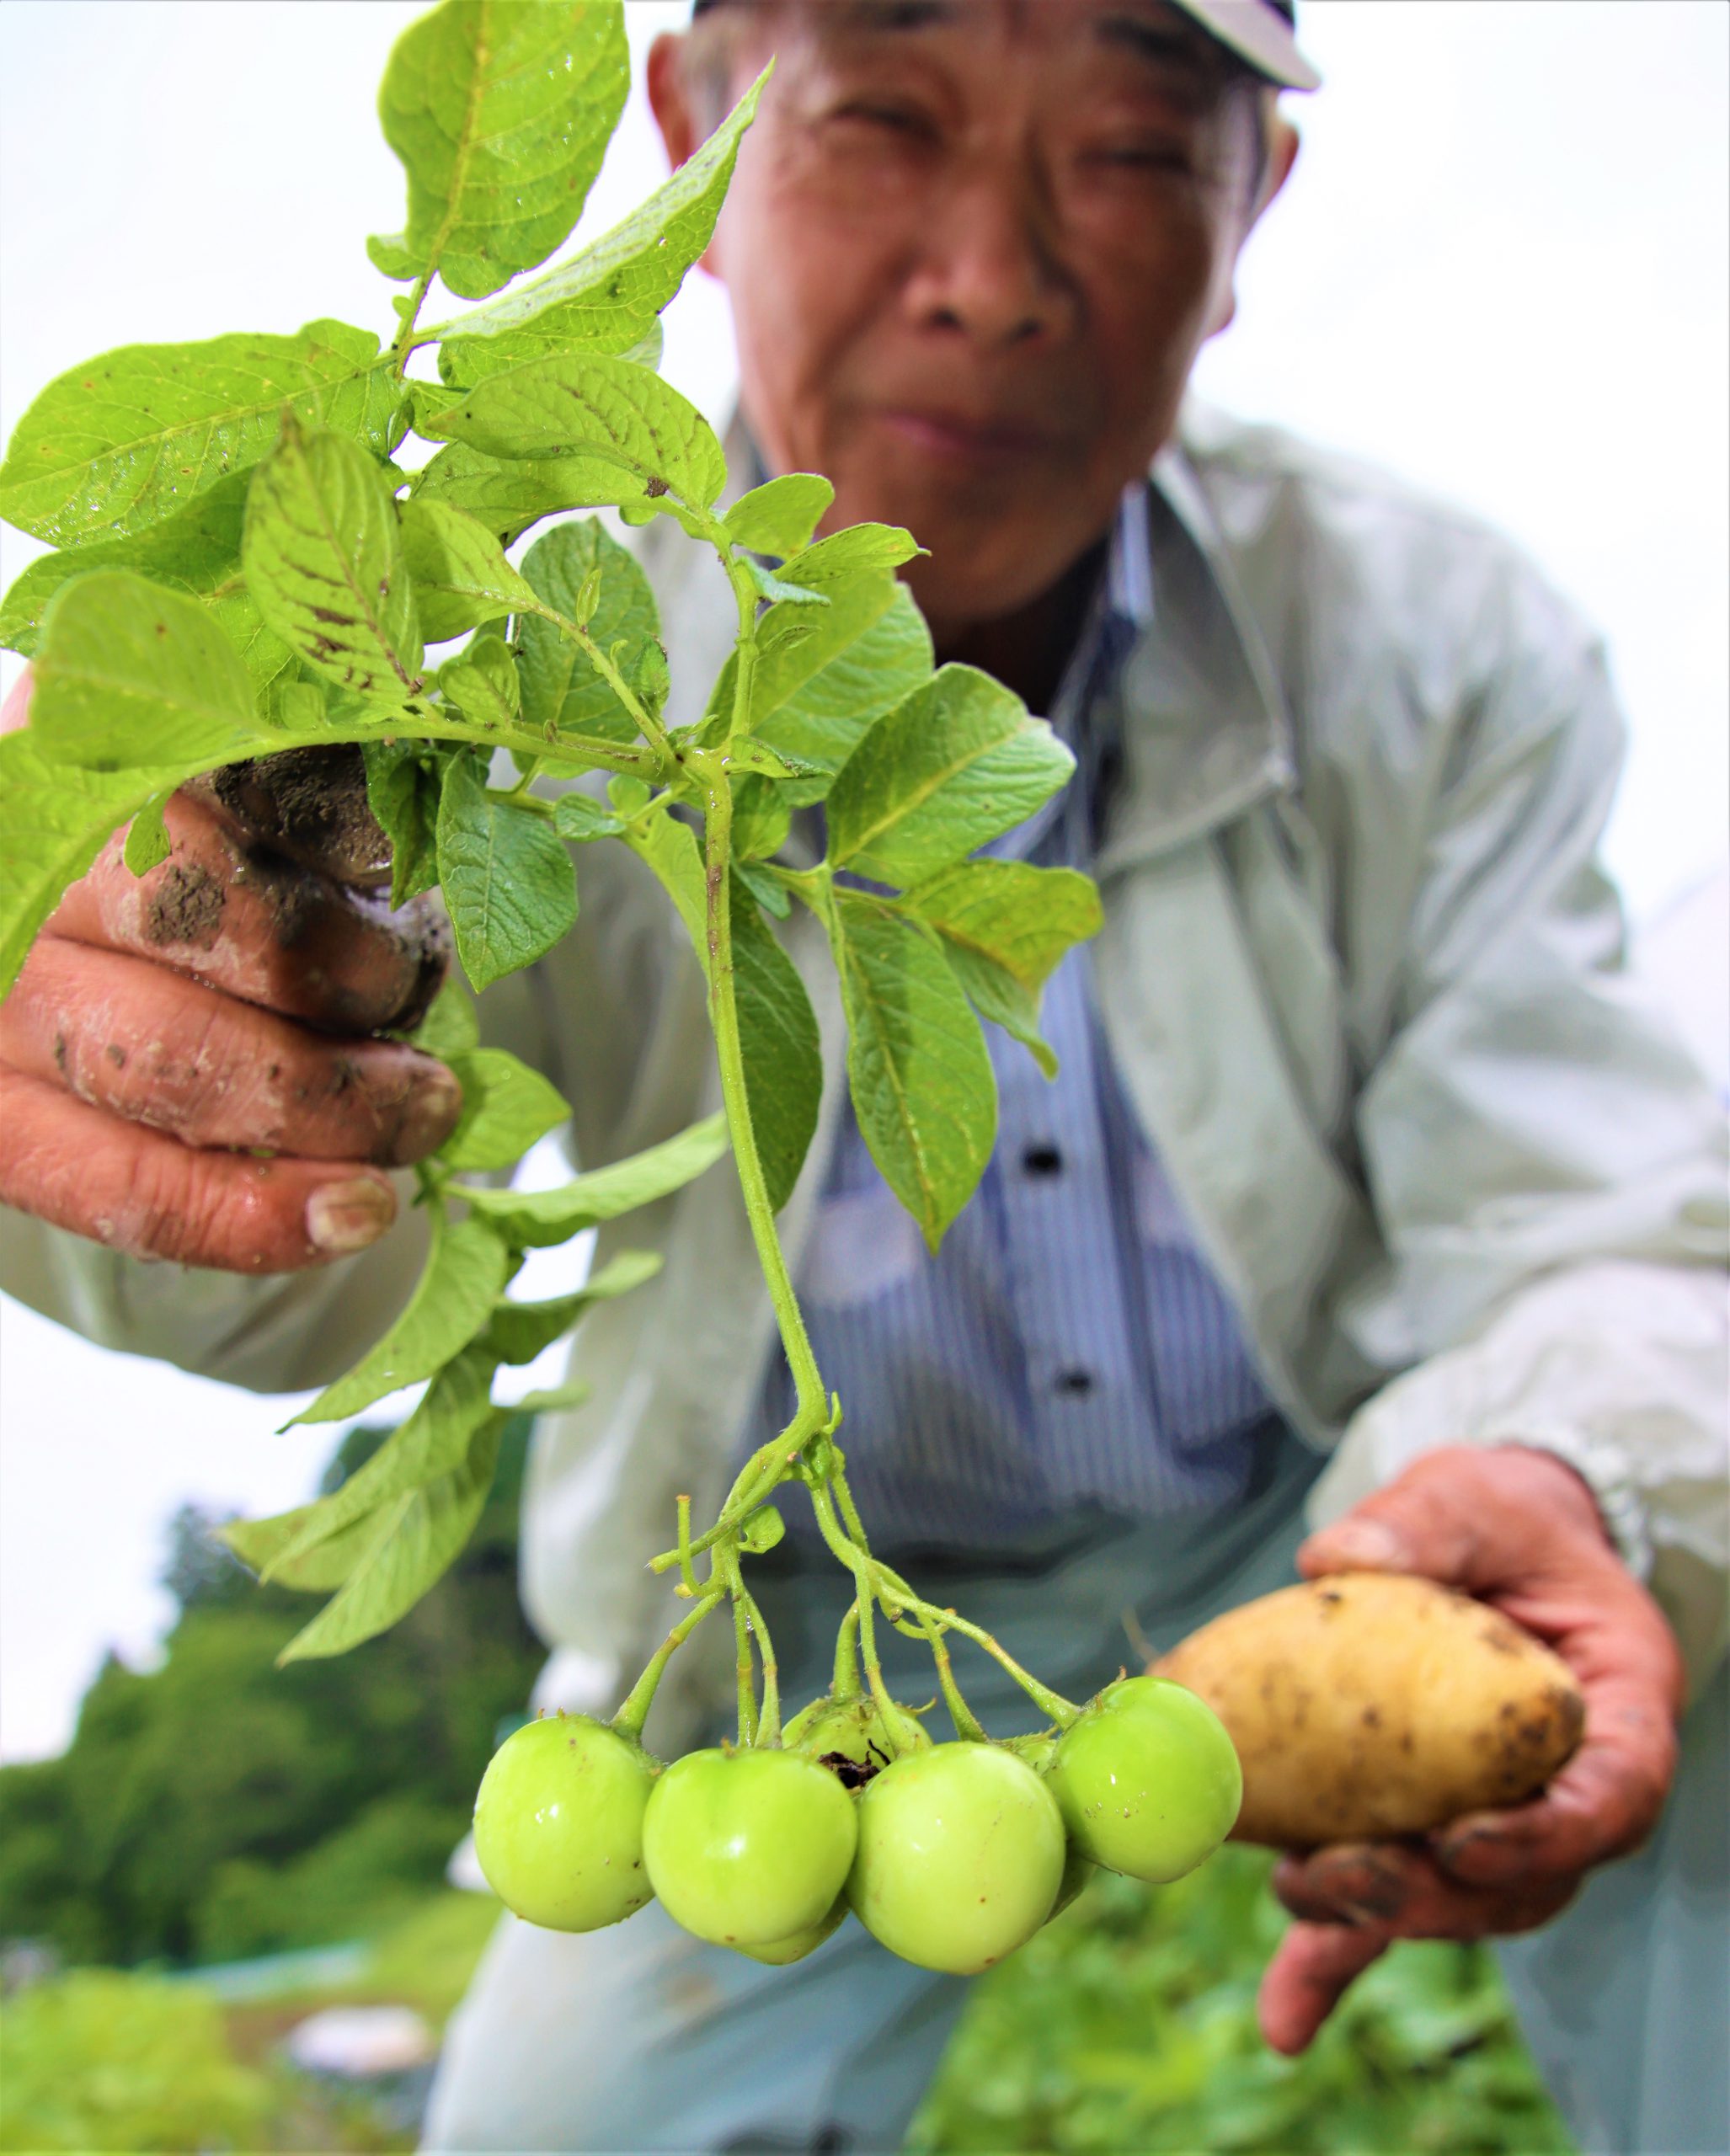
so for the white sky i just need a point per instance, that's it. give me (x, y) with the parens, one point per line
(1500, 269)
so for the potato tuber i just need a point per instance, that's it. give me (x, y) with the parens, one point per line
(1366, 1704)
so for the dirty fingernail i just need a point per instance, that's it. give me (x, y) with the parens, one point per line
(1361, 1542)
(346, 1217)
(428, 1118)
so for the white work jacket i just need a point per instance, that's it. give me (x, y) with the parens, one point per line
(1365, 982)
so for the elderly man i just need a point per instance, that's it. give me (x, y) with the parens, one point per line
(1361, 1144)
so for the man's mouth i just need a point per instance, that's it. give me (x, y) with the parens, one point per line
(958, 438)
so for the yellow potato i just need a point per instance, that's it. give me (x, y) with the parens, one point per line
(1366, 1704)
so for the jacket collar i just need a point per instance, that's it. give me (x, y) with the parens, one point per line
(1204, 725)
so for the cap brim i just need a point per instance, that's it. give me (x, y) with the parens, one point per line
(1259, 35)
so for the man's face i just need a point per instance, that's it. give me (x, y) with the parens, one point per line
(972, 248)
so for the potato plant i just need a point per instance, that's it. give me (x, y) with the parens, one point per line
(246, 567)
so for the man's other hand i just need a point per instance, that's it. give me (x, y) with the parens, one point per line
(1519, 1529)
(188, 1065)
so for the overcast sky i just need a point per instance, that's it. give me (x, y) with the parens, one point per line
(1500, 270)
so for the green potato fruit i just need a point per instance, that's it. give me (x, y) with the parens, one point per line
(558, 1823)
(961, 1855)
(853, 1737)
(1077, 1870)
(746, 1848)
(1147, 1780)
(779, 1952)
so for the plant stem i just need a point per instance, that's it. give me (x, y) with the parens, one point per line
(843, 1684)
(630, 1717)
(1060, 1710)
(647, 724)
(404, 342)
(862, 1569)
(968, 1725)
(724, 1011)
(687, 1571)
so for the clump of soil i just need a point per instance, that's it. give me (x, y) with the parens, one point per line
(186, 906)
(310, 805)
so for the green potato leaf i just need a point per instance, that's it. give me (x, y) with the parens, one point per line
(920, 1077)
(669, 846)
(418, 1537)
(147, 844)
(507, 1107)
(130, 675)
(509, 884)
(54, 819)
(130, 439)
(779, 517)
(506, 495)
(820, 719)
(404, 780)
(464, 1275)
(850, 553)
(451, 1027)
(263, 1544)
(959, 762)
(194, 553)
(553, 1398)
(482, 682)
(762, 819)
(603, 410)
(580, 818)
(579, 571)
(823, 678)
(323, 559)
(770, 895)
(517, 1332)
(778, 1042)
(500, 112)
(608, 296)
(1005, 925)
(532, 1220)
(462, 579)
(433, 1440)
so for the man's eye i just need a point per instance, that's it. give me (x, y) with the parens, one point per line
(897, 119)
(1142, 157)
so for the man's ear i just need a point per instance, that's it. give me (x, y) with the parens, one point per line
(1284, 142)
(1281, 155)
(670, 97)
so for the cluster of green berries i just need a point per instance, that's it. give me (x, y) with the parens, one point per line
(952, 1855)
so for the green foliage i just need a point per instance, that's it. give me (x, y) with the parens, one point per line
(464, 1277)
(619, 417)
(508, 881)
(323, 559)
(246, 569)
(1129, 2023)
(608, 296)
(100, 2061)
(916, 1061)
(783, 1060)
(500, 114)
(120, 655)
(122, 1849)
(125, 442)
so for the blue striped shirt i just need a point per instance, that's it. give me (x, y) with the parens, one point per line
(1068, 1352)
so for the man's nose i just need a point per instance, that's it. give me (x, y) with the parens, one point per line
(988, 265)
